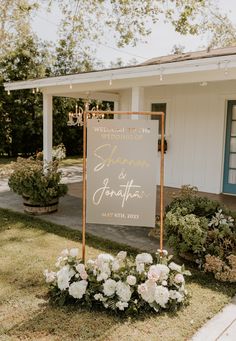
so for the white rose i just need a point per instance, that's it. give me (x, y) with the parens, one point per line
(175, 295)
(104, 257)
(175, 267)
(147, 291)
(78, 289)
(74, 252)
(115, 265)
(161, 295)
(121, 255)
(100, 297)
(63, 278)
(140, 267)
(109, 287)
(65, 253)
(131, 280)
(50, 276)
(122, 305)
(80, 267)
(179, 278)
(83, 275)
(123, 291)
(158, 272)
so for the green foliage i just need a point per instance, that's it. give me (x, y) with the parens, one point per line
(197, 225)
(31, 180)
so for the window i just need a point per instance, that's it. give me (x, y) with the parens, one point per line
(161, 107)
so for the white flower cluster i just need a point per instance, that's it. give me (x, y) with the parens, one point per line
(59, 152)
(119, 284)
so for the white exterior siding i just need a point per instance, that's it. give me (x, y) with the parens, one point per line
(195, 131)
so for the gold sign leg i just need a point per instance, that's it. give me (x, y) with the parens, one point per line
(162, 182)
(84, 183)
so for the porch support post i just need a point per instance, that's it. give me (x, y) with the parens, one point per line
(47, 127)
(137, 103)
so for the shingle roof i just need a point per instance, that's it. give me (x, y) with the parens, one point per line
(226, 51)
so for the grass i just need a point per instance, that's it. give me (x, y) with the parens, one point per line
(4, 161)
(71, 161)
(29, 245)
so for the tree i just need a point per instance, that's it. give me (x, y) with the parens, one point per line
(15, 25)
(21, 111)
(129, 20)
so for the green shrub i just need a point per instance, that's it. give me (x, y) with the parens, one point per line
(201, 227)
(31, 180)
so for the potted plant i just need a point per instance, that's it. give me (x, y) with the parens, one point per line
(39, 185)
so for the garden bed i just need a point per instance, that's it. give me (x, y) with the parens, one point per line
(28, 246)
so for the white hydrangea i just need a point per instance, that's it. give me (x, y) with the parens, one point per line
(74, 252)
(78, 289)
(161, 295)
(131, 280)
(175, 267)
(142, 259)
(103, 276)
(175, 295)
(147, 291)
(121, 255)
(50, 276)
(123, 291)
(109, 287)
(158, 272)
(122, 305)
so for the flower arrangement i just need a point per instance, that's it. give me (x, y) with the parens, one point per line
(119, 283)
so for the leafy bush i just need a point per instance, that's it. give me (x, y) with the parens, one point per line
(31, 180)
(200, 227)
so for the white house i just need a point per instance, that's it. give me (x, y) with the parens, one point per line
(197, 91)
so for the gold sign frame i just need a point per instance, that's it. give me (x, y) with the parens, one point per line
(87, 113)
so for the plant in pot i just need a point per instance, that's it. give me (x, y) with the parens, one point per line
(39, 185)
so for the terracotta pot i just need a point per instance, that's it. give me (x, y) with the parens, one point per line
(39, 208)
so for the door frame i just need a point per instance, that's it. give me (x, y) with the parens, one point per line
(227, 189)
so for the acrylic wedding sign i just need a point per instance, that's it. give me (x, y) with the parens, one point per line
(121, 172)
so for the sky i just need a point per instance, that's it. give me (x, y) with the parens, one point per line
(159, 43)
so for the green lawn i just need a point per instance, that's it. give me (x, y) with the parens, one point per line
(28, 246)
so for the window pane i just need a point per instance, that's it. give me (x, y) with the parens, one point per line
(234, 113)
(159, 107)
(233, 128)
(233, 144)
(232, 176)
(232, 161)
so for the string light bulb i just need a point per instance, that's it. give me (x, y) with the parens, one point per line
(8, 92)
(70, 86)
(33, 91)
(161, 74)
(110, 81)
